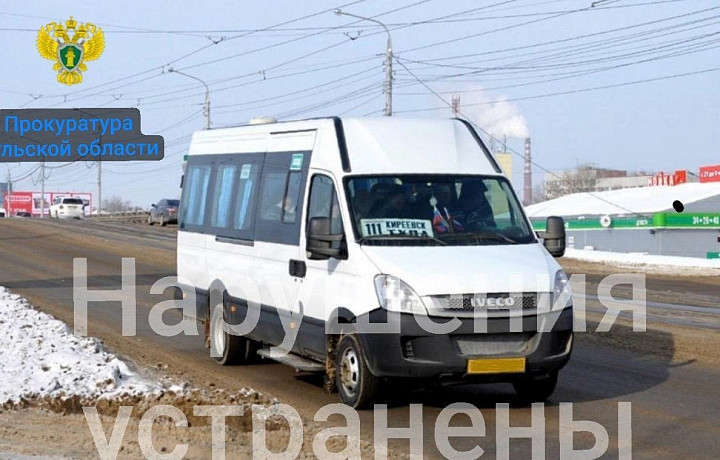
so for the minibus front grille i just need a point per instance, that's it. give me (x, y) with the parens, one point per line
(515, 343)
(488, 302)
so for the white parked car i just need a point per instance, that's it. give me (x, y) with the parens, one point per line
(3, 213)
(67, 208)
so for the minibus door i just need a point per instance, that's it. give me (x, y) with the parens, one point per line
(321, 284)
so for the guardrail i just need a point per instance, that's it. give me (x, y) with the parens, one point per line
(121, 215)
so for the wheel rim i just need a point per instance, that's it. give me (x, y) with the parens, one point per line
(218, 335)
(350, 371)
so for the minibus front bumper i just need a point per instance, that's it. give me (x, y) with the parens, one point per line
(397, 345)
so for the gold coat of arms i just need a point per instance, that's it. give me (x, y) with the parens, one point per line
(70, 45)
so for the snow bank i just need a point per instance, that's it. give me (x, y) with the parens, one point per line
(689, 265)
(39, 356)
(625, 201)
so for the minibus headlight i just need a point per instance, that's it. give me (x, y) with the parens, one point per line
(562, 295)
(395, 295)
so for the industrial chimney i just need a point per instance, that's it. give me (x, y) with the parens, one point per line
(527, 172)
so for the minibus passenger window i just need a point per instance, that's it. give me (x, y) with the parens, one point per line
(223, 194)
(243, 214)
(291, 198)
(274, 204)
(196, 193)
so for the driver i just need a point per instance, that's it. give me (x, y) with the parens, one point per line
(474, 210)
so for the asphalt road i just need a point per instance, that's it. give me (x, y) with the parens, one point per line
(675, 406)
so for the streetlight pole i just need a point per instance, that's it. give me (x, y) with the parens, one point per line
(9, 191)
(99, 184)
(42, 193)
(388, 59)
(207, 95)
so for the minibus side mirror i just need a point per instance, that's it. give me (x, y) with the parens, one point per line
(319, 239)
(554, 236)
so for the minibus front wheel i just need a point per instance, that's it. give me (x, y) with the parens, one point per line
(356, 385)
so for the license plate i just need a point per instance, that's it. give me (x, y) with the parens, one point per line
(496, 366)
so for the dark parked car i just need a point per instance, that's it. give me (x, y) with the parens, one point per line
(164, 212)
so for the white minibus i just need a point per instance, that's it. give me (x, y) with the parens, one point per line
(371, 250)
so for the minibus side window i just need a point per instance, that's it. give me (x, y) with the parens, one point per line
(274, 203)
(195, 195)
(244, 201)
(324, 203)
(282, 187)
(224, 184)
(292, 195)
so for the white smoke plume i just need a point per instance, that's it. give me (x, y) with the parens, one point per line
(494, 113)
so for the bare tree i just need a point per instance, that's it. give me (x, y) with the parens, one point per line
(116, 204)
(539, 194)
(581, 180)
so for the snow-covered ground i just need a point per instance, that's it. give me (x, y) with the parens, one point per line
(40, 356)
(671, 264)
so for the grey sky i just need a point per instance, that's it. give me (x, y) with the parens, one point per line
(525, 51)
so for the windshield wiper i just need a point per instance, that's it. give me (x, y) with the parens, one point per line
(481, 235)
(365, 239)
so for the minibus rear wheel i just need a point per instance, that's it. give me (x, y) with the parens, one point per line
(234, 349)
(536, 389)
(355, 383)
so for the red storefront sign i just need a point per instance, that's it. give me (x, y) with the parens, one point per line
(710, 173)
(19, 201)
(679, 177)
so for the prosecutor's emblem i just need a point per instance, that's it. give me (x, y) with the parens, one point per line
(70, 45)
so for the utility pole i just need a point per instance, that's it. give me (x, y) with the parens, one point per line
(206, 106)
(42, 192)
(388, 60)
(456, 105)
(99, 184)
(388, 76)
(9, 191)
(527, 174)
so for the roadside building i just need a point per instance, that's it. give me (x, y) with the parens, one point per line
(581, 179)
(605, 184)
(640, 219)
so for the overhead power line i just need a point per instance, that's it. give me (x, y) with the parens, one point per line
(576, 37)
(534, 163)
(576, 91)
(200, 49)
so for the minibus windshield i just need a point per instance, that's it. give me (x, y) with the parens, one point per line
(452, 210)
